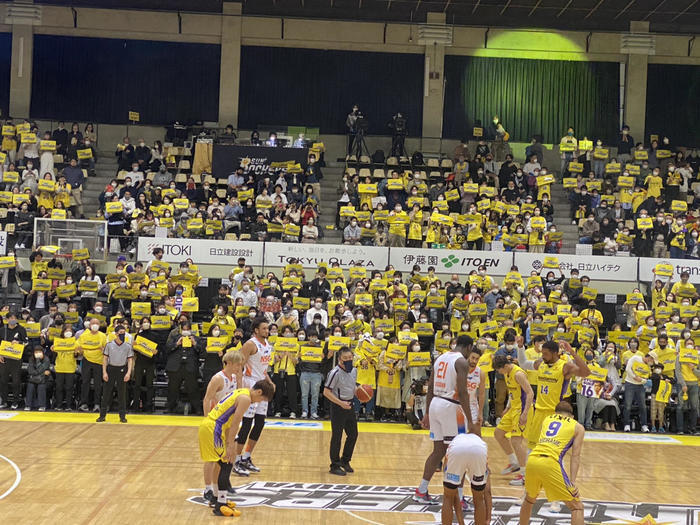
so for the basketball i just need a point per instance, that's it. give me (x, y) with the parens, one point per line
(364, 393)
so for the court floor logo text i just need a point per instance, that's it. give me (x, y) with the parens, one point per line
(379, 498)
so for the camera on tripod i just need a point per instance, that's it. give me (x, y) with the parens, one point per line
(398, 124)
(361, 123)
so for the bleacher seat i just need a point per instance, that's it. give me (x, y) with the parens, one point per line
(378, 173)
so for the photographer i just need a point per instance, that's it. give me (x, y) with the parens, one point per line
(398, 125)
(350, 123)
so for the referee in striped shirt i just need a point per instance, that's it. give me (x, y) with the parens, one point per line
(340, 390)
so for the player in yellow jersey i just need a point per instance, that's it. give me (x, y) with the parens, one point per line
(545, 467)
(553, 376)
(217, 433)
(515, 417)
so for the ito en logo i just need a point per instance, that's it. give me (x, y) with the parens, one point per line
(450, 261)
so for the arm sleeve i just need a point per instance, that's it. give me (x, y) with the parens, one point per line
(523, 361)
(332, 379)
(679, 373)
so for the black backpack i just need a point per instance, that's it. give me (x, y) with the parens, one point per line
(378, 157)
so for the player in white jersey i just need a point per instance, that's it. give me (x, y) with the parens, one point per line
(220, 385)
(466, 458)
(448, 410)
(257, 352)
(476, 386)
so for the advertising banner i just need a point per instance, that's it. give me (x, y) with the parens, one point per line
(254, 159)
(278, 254)
(597, 267)
(451, 261)
(202, 251)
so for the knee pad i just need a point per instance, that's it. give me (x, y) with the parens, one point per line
(258, 427)
(242, 436)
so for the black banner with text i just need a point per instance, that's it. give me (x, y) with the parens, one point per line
(256, 159)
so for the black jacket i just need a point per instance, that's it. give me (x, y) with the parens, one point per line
(178, 356)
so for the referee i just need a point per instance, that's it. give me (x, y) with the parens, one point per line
(340, 390)
(117, 366)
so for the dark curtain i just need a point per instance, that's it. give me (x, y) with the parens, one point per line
(531, 97)
(317, 88)
(673, 110)
(5, 62)
(101, 80)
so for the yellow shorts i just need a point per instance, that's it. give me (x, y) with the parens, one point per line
(208, 451)
(534, 426)
(544, 472)
(510, 422)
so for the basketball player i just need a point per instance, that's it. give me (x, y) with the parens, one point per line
(447, 406)
(256, 351)
(220, 385)
(217, 430)
(466, 457)
(515, 417)
(476, 386)
(545, 468)
(553, 376)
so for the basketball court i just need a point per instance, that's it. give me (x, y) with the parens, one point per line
(64, 468)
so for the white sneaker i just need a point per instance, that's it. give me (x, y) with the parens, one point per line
(510, 469)
(27, 409)
(645, 428)
(278, 414)
(555, 506)
(517, 481)
(292, 415)
(627, 428)
(304, 415)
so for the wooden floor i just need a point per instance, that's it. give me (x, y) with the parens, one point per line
(145, 472)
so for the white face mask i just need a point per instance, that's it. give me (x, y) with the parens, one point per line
(246, 287)
(216, 333)
(98, 309)
(220, 311)
(186, 333)
(68, 334)
(301, 337)
(161, 311)
(94, 327)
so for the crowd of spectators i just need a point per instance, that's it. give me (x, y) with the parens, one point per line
(397, 324)
(42, 175)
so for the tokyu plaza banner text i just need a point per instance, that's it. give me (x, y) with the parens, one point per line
(461, 262)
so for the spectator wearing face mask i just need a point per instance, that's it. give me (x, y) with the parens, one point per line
(65, 367)
(144, 370)
(352, 234)
(90, 345)
(183, 351)
(625, 145)
(310, 375)
(10, 369)
(249, 297)
(38, 374)
(317, 308)
(117, 367)
(125, 155)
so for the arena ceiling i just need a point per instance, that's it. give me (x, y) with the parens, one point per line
(668, 16)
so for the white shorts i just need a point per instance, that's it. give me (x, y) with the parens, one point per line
(259, 408)
(447, 419)
(466, 456)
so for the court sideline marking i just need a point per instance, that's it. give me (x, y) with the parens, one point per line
(18, 476)
(361, 518)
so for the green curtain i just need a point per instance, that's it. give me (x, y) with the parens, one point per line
(673, 93)
(531, 97)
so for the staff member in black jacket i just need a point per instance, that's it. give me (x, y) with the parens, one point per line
(145, 369)
(10, 369)
(183, 352)
(340, 390)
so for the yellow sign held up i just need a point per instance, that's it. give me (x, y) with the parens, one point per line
(134, 116)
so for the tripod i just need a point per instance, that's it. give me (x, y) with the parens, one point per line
(398, 146)
(360, 146)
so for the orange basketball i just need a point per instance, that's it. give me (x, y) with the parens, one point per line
(364, 393)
